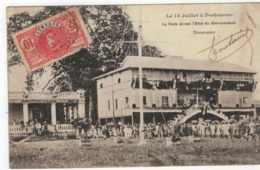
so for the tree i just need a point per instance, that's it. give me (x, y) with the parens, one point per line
(108, 27)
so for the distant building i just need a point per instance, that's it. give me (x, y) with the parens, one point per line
(175, 87)
(55, 108)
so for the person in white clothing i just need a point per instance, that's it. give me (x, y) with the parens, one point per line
(219, 130)
(225, 129)
(126, 131)
(212, 128)
(95, 135)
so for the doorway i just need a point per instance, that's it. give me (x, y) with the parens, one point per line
(36, 114)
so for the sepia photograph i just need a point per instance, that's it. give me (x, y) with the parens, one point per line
(133, 85)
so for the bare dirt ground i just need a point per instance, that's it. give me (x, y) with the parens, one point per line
(107, 153)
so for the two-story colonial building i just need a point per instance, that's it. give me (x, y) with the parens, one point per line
(172, 86)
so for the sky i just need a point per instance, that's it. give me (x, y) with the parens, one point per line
(159, 29)
(181, 41)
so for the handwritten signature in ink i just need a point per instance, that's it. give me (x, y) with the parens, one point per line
(228, 46)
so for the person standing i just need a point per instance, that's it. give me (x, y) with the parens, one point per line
(235, 129)
(182, 127)
(165, 130)
(202, 129)
(207, 128)
(45, 127)
(231, 126)
(120, 127)
(194, 128)
(252, 130)
(55, 134)
(95, 135)
(134, 131)
(126, 132)
(149, 131)
(225, 129)
(219, 129)
(130, 131)
(14, 122)
(39, 128)
(32, 125)
(160, 131)
(189, 129)
(91, 131)
(22, 125)
(156, 132)
(212, 129)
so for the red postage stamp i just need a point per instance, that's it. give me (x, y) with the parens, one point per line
(52, 39)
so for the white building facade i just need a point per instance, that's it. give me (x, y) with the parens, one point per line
(171, 86)
(55, 108)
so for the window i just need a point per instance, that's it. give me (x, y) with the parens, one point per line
(126, 101)
(144, 78)
(119, 80)
(144, 101)
(101, 85)
(165, 101)
(116, 104)
(245, 101)
(108, 102)
(184, 75)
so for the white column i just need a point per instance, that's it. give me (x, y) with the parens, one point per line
(70, 111)
(53, 113)
(25, 112)
(154, 96)
(237, 99)
(64, 109)
(133, 97)
(159, 101)
(90, 108)
(81, 108)
(75, 111)
(65, 112)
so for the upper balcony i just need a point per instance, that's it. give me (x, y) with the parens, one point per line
(18, 96)
(181, 108)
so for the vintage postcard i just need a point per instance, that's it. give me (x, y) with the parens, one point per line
(134, 85)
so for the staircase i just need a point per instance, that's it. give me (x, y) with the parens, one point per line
(48, 137)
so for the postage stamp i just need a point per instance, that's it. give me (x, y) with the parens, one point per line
(52, 39)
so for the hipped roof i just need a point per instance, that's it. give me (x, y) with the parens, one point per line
(177, 64)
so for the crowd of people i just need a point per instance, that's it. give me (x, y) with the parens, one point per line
(248, 129)
(108, 130)
(38, 127)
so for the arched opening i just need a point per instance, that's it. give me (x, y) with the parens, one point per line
(210, 115)
(200, 116)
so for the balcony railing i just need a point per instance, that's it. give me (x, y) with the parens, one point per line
(45, 95)
(17, 129)
(66, 128)
(186, 108)
(156, 108)
(62, 128)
